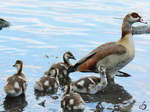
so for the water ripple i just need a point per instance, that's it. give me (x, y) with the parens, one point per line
(40, 27)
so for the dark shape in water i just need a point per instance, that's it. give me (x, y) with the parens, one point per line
(115, 95)
(15, 104)
(63, 110)
(41, 94)
(4, 23)
(42, 103)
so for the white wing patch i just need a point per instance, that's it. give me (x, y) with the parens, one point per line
(46, 83)
(16, 85)
(81, 83)
(71, 101)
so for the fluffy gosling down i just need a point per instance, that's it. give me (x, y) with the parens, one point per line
(60, 69)
(91, 84)
(47, 83)
(71, 101)
(17, 83)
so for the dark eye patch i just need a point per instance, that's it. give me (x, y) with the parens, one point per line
(135, 15)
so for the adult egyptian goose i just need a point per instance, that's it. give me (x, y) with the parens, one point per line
(47, 84)
(71, 101)
(3, 23)
(60, 68)
(91, 84)
(112, 55)
(17, 83)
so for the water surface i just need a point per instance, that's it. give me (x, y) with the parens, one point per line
(51, 27)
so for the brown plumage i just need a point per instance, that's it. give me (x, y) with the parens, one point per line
(113, 55)
(87, 81)
(71, 101)
(108, 49)
(91, 84)
(60, 69)
(16, 84)
(47, 84)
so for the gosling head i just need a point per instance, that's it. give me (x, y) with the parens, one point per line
(18, 65)
(69, 55)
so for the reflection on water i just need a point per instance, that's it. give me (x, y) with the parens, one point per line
(63, 110)
(15, 104)
(40, 94)
(114, 98)
(117, 99)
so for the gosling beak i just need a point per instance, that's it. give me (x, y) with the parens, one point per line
(142, 21)
(73, 58)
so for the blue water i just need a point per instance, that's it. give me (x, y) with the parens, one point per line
(51, 27)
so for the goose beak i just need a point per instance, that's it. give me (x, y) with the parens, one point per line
(14, 65)
(142, 21)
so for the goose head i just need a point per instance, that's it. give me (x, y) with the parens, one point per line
(18, 65)
(128, 20)
(133, 18)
